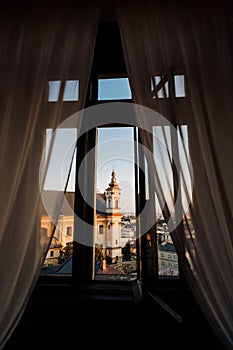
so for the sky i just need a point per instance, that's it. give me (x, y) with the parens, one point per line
(116, 151)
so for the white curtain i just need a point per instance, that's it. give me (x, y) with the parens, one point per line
(39, 43)
(192, 41)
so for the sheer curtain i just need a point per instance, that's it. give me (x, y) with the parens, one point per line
(38, 43)
(167, 39)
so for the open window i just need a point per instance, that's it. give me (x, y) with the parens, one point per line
(109, 185)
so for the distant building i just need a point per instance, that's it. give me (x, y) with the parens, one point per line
(63, 232)
(167, 260)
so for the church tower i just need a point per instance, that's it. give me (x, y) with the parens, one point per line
(113, 221)
(109, 222)
(112, 195)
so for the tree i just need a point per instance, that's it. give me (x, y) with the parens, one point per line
(99, 256)
(65, 252)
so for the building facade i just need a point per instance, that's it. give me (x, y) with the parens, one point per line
(107, 224)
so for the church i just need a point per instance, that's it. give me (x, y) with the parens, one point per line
(108, 221)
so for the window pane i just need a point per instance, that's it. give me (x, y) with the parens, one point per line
(54, 89)
(60, 158)
(179, 86)
(60, 146)
(160, 84)
(114, 89)
(163, 157)
(71, 90)
(115, 222)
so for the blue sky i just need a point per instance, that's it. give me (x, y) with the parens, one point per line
(116, 150)
(111, 89)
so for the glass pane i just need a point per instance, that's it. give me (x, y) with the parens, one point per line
(54, 89)
(60, 159)
(115, 224)
(179, 86)
(71, 90)
(164, 148)
(163, 91)
(114, 89)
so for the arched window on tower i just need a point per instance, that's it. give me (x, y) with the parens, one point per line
(116, 203)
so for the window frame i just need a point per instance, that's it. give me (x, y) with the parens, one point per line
(83, 257)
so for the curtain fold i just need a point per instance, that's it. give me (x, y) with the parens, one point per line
(39, 43)
(193, 39)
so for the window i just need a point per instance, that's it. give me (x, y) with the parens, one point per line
(163, 149)
(115, 158)
(164, 86)
(114, 218)
(179, 86)
(115, 199)
(54, 89)
(159, 85)
(114, 89)
(69, 230)
(59, 90)
(56, 145)
(71, 90)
